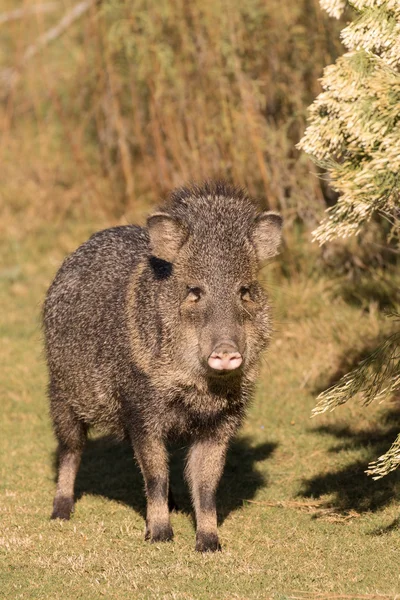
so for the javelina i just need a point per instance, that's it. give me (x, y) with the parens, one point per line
(155, 333)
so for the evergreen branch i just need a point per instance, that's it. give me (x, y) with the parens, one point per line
(387, 462)
(354, 129)
(334, 8)
(376, 377)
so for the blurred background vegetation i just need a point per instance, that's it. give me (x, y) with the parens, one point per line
(107, 106)
(132, 99)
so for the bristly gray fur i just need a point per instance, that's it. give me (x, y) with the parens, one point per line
(127, 348)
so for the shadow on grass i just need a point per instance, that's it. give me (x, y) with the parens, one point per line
(109, 470)
(393, 526)
(369, 288)
(350, 487)
(350, 359)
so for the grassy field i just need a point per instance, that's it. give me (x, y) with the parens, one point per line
(298, 516)
(88, 140)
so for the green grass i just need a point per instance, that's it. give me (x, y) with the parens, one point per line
(299, 518)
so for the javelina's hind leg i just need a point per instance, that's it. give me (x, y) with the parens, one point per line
(71, 435)
(206, 461)
(152, 457)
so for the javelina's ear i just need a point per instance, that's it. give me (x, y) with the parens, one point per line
(266, 234)
(167, 235)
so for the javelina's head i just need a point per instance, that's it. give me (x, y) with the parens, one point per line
(216, 239)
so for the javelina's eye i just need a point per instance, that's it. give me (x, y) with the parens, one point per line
(245, 293)
(193, 294)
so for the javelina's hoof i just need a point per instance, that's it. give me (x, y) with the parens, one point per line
(159, 533)
(62, 508)
(207, 542)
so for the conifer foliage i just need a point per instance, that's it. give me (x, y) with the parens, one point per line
(354, 125)
(354, 132)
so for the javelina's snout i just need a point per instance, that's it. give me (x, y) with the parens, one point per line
(225, 357)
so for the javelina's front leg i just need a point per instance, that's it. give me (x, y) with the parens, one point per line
(206, 461)
(152, 457)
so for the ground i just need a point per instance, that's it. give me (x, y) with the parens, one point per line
(298, 516)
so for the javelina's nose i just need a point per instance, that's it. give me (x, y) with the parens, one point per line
(225, 357)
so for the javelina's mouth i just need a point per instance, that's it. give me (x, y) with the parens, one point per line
(224, 373)
(224, 376)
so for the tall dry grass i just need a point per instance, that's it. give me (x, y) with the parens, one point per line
(136, 98)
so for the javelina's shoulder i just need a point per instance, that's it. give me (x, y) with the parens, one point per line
(124, 245)
(129, 236)
(104, 262)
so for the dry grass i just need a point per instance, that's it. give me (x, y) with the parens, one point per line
(297, 511)
(143, 99)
